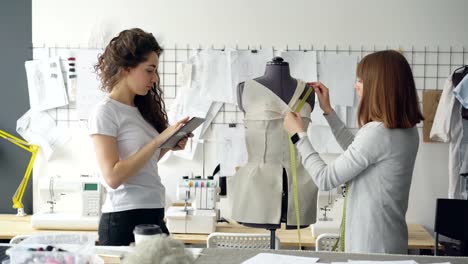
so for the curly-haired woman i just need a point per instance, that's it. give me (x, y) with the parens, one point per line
(127, 129)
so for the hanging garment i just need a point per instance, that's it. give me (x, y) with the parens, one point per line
(461, 91)
(448, 127)
(256, 189)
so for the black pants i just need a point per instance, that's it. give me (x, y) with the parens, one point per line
(116, 229)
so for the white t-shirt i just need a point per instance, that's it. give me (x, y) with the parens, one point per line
(132, 132)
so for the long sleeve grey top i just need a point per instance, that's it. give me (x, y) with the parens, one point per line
(378, 165)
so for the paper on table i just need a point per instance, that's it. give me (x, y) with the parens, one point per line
(303, 65)
(382, 261)
(39, 128)
(231, 149)
(88, 93)
(269, 258)
(247, 65)
(215, 79)
(45, 84)
(338, 73)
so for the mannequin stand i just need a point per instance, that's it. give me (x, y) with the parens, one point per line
(273, 239)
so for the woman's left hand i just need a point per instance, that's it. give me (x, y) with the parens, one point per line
(293, 123)
(182, 143)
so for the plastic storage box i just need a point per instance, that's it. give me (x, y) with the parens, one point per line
(78, 249)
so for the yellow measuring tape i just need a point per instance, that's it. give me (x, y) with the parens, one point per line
(294, 171)
(341, 240)
(296, 199)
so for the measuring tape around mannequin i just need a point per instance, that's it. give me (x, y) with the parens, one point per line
(292, 151)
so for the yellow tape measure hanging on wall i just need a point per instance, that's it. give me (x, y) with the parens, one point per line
(294, 171)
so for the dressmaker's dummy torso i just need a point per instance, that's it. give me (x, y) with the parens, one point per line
(277, 79)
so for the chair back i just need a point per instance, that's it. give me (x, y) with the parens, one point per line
(326, 242)
(240, 241)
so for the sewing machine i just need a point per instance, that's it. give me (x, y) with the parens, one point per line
(202, 215)
(53, 189)
(330, 210)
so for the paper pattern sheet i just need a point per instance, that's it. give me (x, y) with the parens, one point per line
(190, 102)
(351, 115)
(320, 134)
(194, 102)
(322, 140)
(88, 93)
(194, 142)
(210, 116)
(45, 84)
(338, 73)
(302, 65)
(247, 65)
(215, 79)
(231, 149)
(39, 128)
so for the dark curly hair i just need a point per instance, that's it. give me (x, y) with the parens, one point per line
(130, 48)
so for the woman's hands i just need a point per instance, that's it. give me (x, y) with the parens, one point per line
(182, 143)
(293, 123)
(170, 130)
(323, 96)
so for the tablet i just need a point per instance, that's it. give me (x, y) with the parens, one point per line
(188, 128)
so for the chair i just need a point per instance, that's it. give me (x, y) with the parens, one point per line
(326, 242)
(451, 220)
(240, 241)
(17, 239)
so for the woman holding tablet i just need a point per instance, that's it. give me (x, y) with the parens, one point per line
(127, 129)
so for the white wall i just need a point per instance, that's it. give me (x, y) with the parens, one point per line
(267, 22)
(270, 23)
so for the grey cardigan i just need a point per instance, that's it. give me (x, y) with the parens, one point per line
(378, 164)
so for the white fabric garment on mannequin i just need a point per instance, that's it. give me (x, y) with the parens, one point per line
(256, 189)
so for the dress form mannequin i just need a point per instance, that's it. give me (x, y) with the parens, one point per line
(277, 78)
